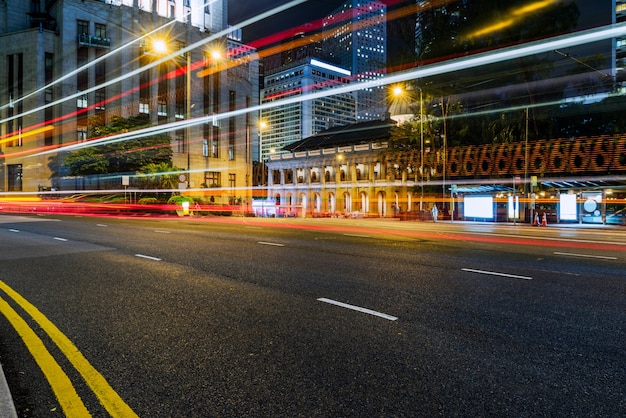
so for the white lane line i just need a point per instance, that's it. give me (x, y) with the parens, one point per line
(60, 239)
(605, 257)
(271, 243)
(358, 308)
(495, 273)
(101, 225)
(566, 273)
(160, 231)
(14, 230)
(357, 235)
(585, 241)
(148, 257)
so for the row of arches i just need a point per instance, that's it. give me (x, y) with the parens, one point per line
(331, 203)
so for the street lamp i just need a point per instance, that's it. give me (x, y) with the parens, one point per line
(188, 116)
(421, 149)
(397, 94)
(160, 47)
(262, 126)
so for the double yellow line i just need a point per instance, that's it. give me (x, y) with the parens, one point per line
(61, 385)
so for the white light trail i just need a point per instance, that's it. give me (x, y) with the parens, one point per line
(161, 60)
(96, 60)
(505, 54)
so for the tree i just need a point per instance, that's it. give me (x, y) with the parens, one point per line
(119, 157)
(466, 27)
(159, 176)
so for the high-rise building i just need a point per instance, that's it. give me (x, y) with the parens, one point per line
(356, 36)
(295, 117)
(63, 62)
(619, 53)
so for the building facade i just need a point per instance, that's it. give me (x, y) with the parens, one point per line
(355, 35)
(619, 51)
(353, 171)
(294, 116)
(64, 62)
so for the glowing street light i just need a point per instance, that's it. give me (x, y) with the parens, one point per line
(159, 46)
(262, 126)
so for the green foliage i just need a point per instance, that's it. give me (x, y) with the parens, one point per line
(160, 175)
(119, 157)
(178, 200)
(148, 201)
(462, 28)
(86, 161)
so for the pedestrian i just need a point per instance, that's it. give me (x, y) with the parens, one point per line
(435, 213)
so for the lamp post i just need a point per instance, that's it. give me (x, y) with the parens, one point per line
(188, 116)
(421, 150)
(397, 93)
(160, 47)
(262, 126)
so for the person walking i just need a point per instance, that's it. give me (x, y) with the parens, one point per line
(435, 213)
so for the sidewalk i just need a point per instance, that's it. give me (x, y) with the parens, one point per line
(7, 408)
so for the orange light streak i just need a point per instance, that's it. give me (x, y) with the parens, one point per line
(26, 134)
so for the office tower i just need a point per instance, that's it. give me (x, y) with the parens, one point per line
(64, 63)
(355, 35)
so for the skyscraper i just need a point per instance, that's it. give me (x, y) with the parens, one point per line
(619, 52)
(293, 120)
(356, 36)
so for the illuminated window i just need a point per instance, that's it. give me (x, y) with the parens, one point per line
(162, 108)
(213, 179)
(81, 101)
(15, 177)
(81, 133)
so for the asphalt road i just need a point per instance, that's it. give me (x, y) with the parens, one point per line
(220, 317)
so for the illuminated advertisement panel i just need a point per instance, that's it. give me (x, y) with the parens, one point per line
(478, 207)
(567, 207)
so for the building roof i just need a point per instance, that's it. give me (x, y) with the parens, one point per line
(354, 134)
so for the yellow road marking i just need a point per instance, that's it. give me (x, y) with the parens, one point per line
(61, 385)
(111, 401)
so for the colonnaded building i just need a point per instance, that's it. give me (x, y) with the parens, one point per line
(64, 61)
(353, 171)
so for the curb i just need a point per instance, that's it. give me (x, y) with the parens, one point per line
(7, 407)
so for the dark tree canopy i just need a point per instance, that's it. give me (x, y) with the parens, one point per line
(120, 157)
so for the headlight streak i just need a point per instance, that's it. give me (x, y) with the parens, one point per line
(393, 14)
(161, 60)
(518, 13)
(509, 53)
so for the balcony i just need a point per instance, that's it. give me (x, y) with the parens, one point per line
(90, 40)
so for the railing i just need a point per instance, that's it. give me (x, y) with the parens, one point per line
(89, 40)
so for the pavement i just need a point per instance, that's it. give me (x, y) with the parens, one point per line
(7, 407)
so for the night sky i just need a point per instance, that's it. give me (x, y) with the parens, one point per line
(592, 13)
(309, 11)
